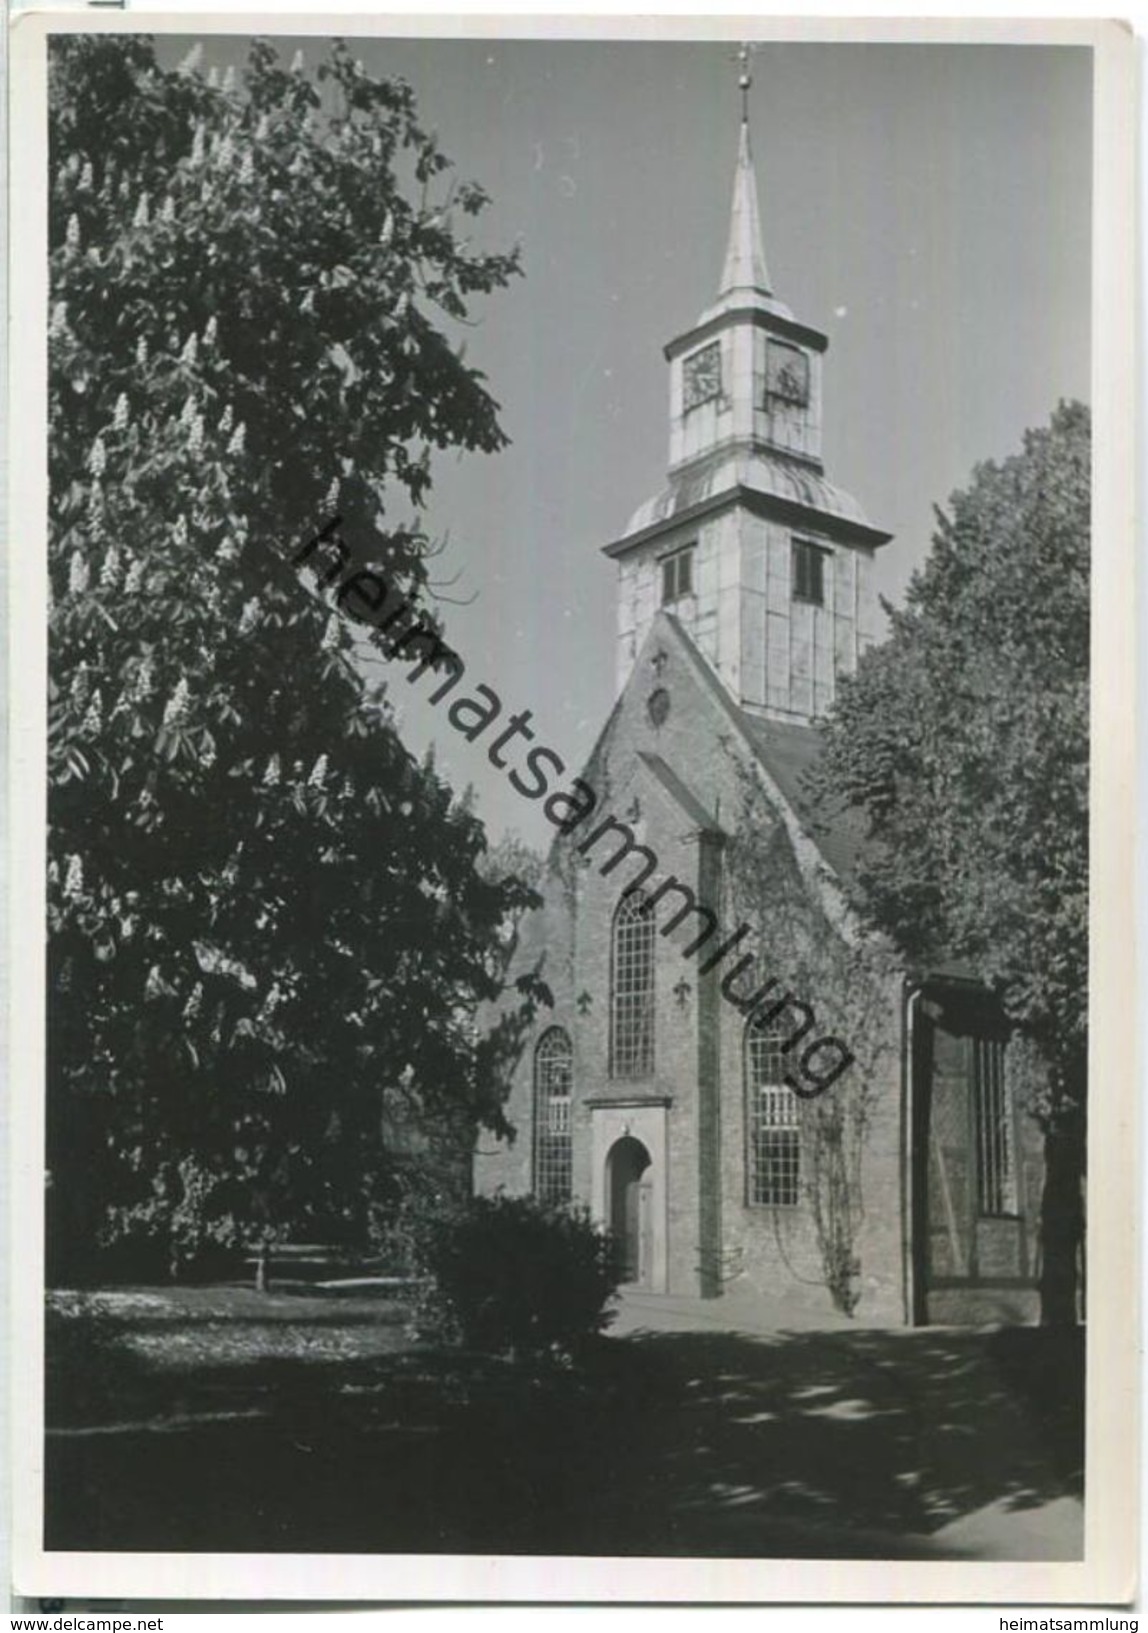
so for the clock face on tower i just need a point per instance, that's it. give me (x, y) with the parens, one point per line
(786, 374)
(701, 376)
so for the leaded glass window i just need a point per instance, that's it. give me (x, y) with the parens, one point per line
(632, 989)
(553, 1084)
(773, 1136)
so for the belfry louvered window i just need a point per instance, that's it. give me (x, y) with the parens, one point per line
(773, 1137)
(809, 572)
(632, 989)
(553, 1085)
(677, 576)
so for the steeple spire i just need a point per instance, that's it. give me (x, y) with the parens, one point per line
(762, 561)
(745, 266)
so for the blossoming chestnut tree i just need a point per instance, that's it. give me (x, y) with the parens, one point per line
(268, 928)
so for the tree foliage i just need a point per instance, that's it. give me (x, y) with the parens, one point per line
(964, 741)
(512, 858)
(266, 921)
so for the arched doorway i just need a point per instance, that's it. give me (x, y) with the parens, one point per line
(628, 1193)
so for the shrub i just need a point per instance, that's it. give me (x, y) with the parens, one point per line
(509, 1274)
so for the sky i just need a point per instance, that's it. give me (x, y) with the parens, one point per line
(928, 206)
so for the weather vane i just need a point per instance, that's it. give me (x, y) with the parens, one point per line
(744, 78)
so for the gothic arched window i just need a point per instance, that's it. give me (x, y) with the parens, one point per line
(632, 989)
(553, 1082)
(773, 1137)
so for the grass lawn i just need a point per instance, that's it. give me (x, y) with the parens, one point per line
(221, 1419)
(113, 1352)
(224, 1420)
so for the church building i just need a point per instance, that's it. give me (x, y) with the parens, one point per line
(734, 1150)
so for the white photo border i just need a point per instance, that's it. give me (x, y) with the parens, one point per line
(1107, 1573)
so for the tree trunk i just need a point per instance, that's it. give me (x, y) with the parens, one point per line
(1061, 1223)
(263, 1267)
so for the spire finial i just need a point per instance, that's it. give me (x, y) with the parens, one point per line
(744, 78)
(745, 258)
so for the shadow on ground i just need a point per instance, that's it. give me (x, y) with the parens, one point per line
(834, 1445)
(838, 1443)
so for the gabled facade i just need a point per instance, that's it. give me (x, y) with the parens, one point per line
(680, 1084)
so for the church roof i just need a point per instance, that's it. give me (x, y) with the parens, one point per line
(788, 752)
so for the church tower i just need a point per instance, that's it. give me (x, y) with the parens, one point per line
(764, 561)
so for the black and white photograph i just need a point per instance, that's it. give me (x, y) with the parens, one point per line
(567, 690)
